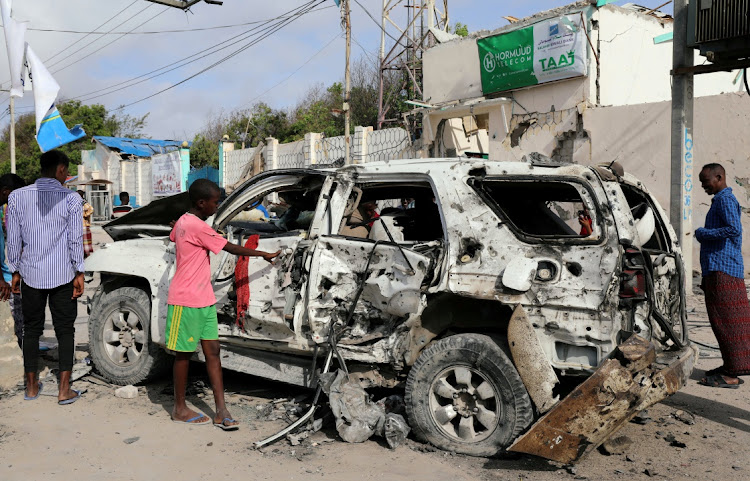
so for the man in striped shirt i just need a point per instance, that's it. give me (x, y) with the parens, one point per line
(45, 255)
(723, 280)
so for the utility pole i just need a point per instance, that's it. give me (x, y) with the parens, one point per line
(683, 148)
(347, 83)
(12, 135)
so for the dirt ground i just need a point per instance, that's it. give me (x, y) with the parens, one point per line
(699, 433)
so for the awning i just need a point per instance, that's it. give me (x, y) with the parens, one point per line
(90, 182)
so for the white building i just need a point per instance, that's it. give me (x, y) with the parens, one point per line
(616, 106)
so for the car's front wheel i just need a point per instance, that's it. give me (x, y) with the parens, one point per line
(463, 394)
(120, 340)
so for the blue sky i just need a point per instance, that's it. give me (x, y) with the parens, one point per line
(182, 111)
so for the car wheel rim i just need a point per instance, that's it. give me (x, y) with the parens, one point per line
(465, 404)
(124, 336)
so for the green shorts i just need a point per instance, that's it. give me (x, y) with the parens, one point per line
(188, 325)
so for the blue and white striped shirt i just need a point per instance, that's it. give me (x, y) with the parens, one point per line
(45, 234)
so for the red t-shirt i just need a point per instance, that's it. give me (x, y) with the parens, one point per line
(191, 284)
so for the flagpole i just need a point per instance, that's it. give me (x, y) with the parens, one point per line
(12, 134)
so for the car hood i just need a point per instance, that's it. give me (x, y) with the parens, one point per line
(151, 220)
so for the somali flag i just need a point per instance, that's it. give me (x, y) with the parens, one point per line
(51, 131)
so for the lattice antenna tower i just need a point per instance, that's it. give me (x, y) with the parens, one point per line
(409, 27)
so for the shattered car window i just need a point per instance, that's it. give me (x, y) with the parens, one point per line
(548, 209)
(291, 210)
(406, 211)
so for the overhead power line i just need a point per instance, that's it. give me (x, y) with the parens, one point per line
(157, 32)
(231, 41)
(83, 38)
(276, 28)
(113, 41)
(97, 39)
(297, 70)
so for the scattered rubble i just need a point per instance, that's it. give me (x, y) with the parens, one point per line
(357, 417)
(641, 418)
(618, 445)
(127, 392)
(684, 416)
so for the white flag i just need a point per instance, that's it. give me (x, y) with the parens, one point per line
(45, 87)
(14, 41)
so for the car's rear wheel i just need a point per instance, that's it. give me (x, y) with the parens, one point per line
(464, 395)
(120, 339)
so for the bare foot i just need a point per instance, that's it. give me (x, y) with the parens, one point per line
(189, 416)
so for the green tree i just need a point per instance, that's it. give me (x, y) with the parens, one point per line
(461, 29)
(95, 119)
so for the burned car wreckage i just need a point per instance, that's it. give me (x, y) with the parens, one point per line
(507, 325)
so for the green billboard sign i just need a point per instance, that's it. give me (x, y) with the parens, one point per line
(550, 50)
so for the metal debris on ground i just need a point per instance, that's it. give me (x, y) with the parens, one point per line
(357, 417)
(49, 378)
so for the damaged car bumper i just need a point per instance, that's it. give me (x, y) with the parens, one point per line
(633, 379)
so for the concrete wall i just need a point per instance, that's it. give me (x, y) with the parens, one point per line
(639, 138)
(634, 70)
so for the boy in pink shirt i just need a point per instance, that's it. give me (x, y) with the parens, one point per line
(191, 314)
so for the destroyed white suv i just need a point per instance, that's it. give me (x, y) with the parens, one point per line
(476, 290)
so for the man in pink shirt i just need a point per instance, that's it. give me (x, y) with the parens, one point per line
(191, 315)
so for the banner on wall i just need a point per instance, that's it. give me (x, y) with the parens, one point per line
(549, 50)
(166, 173)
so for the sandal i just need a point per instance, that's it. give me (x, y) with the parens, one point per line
(720, 371)
(226, 425)
(717, 380)
(26, 397)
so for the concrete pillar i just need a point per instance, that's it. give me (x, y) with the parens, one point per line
(498, 130)
(359, 150)
(272, 157)
(11, 357)
(221, 164)
(184, 166)
(224, 147)
(312, 140)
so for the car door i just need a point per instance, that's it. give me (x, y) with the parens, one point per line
(383, 278)
(260, 295)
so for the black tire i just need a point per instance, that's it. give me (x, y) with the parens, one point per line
(120, 338)
(485, 410)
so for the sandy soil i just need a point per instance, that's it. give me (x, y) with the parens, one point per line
(104, 437)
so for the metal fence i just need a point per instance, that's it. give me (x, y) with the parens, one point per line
(291, 155)
(329, 151)
(315, 150)
(235, 163)
(386, 144)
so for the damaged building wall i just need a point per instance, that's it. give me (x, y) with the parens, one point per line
(548, 118)
(634, 69)
(641, 143)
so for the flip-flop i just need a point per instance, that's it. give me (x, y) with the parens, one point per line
(193, 419)
(26, 397)
(720, 371)
(717, 380)
(71, 400)
(227, 427)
